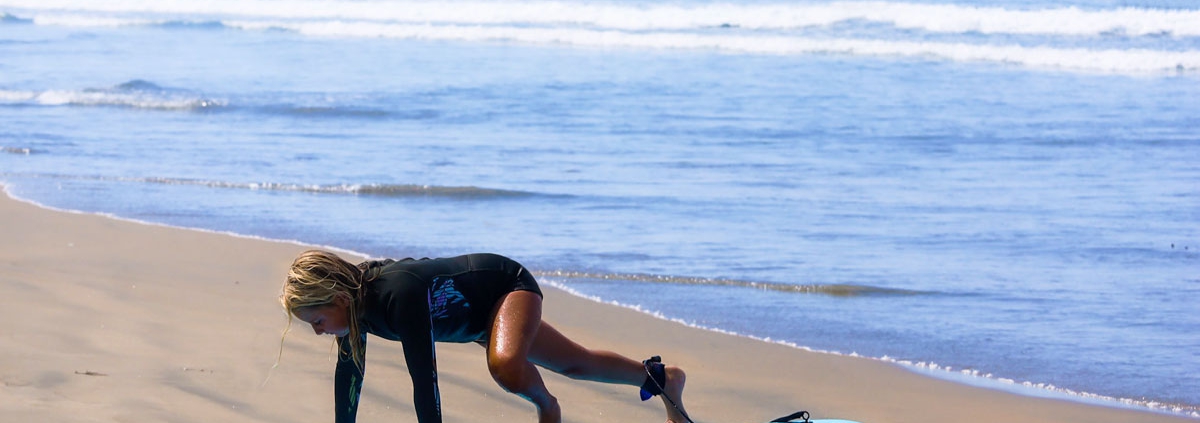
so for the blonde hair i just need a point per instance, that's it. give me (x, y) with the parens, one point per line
(316, 279)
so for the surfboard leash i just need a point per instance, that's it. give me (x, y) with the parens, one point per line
(656, 378)
(790, 417)
(655, 371)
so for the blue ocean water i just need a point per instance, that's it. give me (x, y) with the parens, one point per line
(1005, 192)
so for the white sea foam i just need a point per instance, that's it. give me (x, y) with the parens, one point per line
(676, 27)
(1101, 60)
(744, 29)
(654, 16)
(84, 20)
(16, 96)
(134, 99)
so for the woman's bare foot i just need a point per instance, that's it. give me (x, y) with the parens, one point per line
(676, 378)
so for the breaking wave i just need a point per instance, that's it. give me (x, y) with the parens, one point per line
(837, 290)
(941, 18)
(24, 151)
(1139, 60)
(380, 190)
(1117, 39)
(140, 94)
(136, 94)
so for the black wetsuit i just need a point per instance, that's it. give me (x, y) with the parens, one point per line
(418, 302)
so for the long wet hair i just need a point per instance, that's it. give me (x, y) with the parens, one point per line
(316, 279)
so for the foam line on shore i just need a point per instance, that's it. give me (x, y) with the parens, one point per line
(965, 376)
(339, 250)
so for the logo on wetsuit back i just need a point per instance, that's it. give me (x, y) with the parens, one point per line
(446, 299)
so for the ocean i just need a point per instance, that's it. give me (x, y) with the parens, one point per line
(1000, 192)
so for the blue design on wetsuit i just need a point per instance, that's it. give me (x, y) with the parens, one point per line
(446, 300)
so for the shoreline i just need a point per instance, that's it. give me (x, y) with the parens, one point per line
(933, 370)
(127, 276)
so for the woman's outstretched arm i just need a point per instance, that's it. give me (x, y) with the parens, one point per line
(348, 381)
(422, 368)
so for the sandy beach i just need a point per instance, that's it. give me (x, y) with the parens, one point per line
(116, 321)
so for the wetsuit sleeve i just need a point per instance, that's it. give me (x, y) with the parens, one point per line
(409, 313)
(422, 367)
(347, 381)
(406, 313)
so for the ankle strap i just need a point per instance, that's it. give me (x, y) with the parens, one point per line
(656, 378)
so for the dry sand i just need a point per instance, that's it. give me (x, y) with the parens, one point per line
(107, 320)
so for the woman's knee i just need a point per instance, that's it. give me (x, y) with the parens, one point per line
(510, 371)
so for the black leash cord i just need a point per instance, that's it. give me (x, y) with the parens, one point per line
(793, 416)
(663, 392)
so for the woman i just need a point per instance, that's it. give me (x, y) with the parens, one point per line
(483, 298)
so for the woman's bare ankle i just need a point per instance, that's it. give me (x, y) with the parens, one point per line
(549, 412)
(676, 379)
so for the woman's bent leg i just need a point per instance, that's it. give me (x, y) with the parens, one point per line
(515, 326)
(554, 351)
